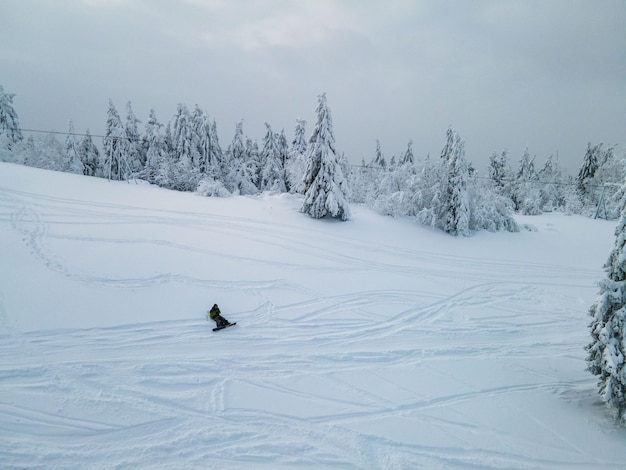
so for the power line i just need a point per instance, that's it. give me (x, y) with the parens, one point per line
(37, 131)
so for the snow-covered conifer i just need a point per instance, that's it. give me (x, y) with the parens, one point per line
(295, 165)
(216, 155)
(241, 170)
(499, 171)
(10, 130)
(526, 192)
(115, 166)
(89, 156)
(185, 175)
(133, 144)
(272, 172)
(588, 168)
(325, 185)
(455, 215)
(299, 143)
(155, 149)
(209, 151)
(551, 188)
(606, 357)
(407, 157)
(379, 158)
(283, 146)
(73, 163)
(202, 127)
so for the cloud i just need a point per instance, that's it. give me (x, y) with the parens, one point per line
(264, 26)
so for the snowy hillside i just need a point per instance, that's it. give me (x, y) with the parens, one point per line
(373, 343)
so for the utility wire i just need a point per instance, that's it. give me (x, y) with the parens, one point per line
(78, 134)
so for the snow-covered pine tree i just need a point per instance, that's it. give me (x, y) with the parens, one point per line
(283, 152)
(202, 127)
(216, 155)
(73, 161)
(133, 144)
(10, 130)
(551, 188)
(455, 216)
(299, 144)
(115, 166)
(379, 158)
(241, 169)
(588, 168)
(499, 172)
(325, 185)
(527, 193)
(272, 171)
(601, 195)
(155, 149)
(185, 175)
(606, 357)
(283, 146)
(89, 156)
(250, 168)
(295, 164)
(407, 157)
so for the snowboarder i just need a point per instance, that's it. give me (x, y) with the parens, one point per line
(215, 314)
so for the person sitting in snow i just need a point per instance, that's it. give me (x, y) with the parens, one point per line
(216, 315)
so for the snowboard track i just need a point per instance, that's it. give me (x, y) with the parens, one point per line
(172, 392)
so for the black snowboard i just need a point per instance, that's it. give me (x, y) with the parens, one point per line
(225, 326)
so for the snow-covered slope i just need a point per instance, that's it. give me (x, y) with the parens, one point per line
(373, 343)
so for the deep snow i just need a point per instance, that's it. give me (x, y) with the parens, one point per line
(373, 343)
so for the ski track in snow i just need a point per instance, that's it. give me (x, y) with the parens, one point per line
(468, 375)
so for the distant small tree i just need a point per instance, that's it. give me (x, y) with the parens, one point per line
(10, 131)
(606, 357)
(326, 188)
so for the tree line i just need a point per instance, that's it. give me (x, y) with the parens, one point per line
(185, 154)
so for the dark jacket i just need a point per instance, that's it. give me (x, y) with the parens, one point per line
(215, 312)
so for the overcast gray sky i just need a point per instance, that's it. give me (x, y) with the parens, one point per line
(549, 75)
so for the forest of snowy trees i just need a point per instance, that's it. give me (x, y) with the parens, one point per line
(446, 192)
